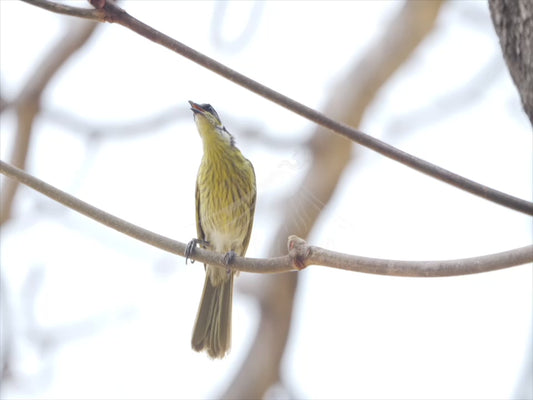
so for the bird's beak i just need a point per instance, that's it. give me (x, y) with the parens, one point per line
(196, 108)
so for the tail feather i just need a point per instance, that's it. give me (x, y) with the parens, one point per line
(212, 330)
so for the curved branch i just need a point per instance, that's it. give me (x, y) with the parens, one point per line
(113, 13)
(300, 254)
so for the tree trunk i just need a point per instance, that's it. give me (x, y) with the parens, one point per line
(513, 22)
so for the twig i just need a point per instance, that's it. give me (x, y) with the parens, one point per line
(109, 12)
(300, 253)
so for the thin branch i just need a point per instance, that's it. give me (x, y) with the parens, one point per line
(112, 13)
(300, 254)
(304, 255)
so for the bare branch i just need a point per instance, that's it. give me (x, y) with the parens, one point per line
(112, 13)
(300, 254)
(304, 255)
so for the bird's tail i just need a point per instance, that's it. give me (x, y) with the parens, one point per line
(212, 330)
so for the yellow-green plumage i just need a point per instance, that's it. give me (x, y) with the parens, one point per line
(225, 204)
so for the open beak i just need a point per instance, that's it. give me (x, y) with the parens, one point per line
(196, 108)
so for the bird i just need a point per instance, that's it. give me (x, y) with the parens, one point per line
(225, 205)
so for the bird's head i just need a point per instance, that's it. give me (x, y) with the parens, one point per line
(209, 124)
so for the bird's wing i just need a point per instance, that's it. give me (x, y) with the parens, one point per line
(199, 229)
(253, 196)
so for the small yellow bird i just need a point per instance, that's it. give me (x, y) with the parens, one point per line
(225, 205)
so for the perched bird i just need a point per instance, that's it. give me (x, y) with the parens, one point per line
(225, 205)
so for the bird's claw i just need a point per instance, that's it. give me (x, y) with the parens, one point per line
(228, 259)
(191, 246)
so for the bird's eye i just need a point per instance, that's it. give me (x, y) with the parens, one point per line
(211, 110)
(207, 107)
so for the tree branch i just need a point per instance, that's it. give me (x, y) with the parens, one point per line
(109, 12)
(303, 255)
(300, 254)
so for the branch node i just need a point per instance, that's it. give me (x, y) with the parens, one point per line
(299, 251)
(111, 13)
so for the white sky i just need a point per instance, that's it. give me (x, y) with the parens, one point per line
(354, 335)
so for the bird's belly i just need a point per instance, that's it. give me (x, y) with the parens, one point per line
(225, 221)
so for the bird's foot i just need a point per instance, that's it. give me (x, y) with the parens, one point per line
(191, 246)
(228, 259)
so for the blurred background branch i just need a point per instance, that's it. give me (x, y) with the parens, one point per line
(219, 26)
(146, 125)
(447, 104)
(330, 155)
(28, 102)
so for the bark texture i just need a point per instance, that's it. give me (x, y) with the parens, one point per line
(513, 22)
